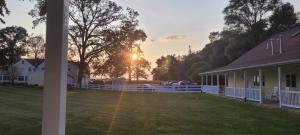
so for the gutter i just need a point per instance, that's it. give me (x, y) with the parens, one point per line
(256, 66)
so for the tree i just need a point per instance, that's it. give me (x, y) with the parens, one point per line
(245, 13)
(283, 18)
(35, 46)
(12, 42)
(142, 66)
(115, 66)
(3, 10)
(96, 29)
(214, 36)
(167, 68)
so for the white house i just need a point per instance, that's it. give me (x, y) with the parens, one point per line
(31, 71)
(268, 72)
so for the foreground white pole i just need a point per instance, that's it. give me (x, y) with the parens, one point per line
(54, 95)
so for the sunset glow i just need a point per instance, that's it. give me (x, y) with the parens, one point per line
(134, 56)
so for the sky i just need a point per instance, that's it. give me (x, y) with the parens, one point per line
(171, 25)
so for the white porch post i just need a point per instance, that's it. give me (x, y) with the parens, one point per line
(218, 80)
(260, 84)
(279, 85)
(212, 80)
(225, 79)
(206, 79)
(55, 80)
(245, 84)
(202, 80)
(234, 81)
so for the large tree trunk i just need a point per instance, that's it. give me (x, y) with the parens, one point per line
(80, 74)
(129, 72)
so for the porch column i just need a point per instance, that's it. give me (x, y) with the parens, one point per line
(225, 75)
(212, 80)
(55, 79)
(234, 81)
(202, 80)
(260, 84)
(218, 80)
(279, 85)
(245, 85)
(206, 80)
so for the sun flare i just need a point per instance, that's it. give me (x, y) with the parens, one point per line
(134, 56)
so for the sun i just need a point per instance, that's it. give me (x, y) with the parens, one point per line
(134, 56)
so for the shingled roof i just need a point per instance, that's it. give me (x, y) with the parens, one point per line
(261, 55)
(35, 62)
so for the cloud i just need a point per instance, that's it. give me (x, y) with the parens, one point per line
(176, 37)
(153, 40)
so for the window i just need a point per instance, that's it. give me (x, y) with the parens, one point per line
(1, 78)
(5, 78)
(291, 80)
(22, 61)
(256, 80)
(25, 78)
(29, 69)
(209, 80)
(21, 78)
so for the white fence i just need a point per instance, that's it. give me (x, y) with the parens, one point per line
(211, 89)
(290, 99)
(148, 87)
(251, 93)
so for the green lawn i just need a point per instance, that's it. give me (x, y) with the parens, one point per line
(115, 113)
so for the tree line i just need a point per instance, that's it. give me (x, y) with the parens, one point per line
(247, 23)
(102, 35)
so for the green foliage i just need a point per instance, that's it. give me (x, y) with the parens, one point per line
(283, 18)
(141, 67)
(245, 13)
(12, 44)
(167, 68)
(3, 10)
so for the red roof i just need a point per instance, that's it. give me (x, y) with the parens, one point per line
(261, 55)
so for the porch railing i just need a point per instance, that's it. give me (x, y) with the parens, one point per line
(290, 99)
(251, 93)
(215, 90)
(235, 92)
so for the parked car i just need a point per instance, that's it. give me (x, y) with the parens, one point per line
(180, 83)
(148, 87)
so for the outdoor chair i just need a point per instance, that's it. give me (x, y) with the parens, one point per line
(275, 94)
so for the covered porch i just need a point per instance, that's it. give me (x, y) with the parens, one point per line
(276, 84)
